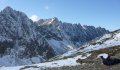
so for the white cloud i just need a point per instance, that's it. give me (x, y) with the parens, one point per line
(34, 18)
(46, 7)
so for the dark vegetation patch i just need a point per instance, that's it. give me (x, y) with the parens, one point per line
(84, 61)
(112, 51)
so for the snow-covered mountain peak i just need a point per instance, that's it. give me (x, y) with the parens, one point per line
(13, 14)
(18, 36)
(53, 20)
(50, 21)
(8, 9)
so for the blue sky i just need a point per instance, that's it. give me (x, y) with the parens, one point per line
(104, 13)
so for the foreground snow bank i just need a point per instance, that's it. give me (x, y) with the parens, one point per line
(59, 63)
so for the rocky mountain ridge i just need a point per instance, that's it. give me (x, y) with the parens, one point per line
(23, 41)
(74, 33)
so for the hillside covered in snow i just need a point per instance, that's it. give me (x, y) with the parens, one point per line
(23, 41)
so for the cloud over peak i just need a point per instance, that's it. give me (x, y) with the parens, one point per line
(34, 18)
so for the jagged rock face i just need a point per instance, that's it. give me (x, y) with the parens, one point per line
(23, 41)
(19, 38)
(74, 34)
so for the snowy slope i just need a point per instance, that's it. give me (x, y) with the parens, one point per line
(108, 40)
(59, 63)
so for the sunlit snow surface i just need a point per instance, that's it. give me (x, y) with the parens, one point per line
(59, 63)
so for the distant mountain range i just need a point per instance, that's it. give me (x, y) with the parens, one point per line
(23, 41)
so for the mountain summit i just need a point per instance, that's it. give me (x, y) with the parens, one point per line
(24, 42)
(20, 40)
